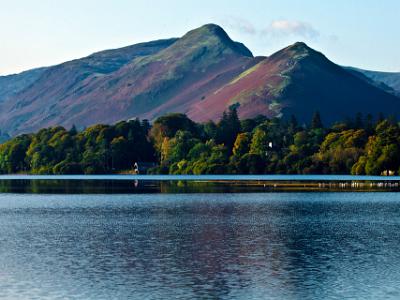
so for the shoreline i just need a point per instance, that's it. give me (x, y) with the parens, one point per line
(211, 178)
(151, 184)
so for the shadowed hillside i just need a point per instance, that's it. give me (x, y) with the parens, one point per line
(387, 80)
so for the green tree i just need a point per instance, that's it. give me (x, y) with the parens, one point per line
(228, 128)
(316, 122)
(242, 144)
(259, 142)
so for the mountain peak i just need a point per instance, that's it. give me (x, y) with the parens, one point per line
(211, 35)
(209, 29)
(212, 28)
(297, 51)
(299, 47)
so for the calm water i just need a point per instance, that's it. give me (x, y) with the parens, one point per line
(134, 184)
(200, 246)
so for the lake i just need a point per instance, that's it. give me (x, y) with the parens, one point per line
(270, 245)
(128, 184)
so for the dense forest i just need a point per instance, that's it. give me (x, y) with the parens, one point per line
(178, 145)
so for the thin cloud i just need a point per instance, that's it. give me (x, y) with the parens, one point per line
(241, 25)
(276, 29)
(333, 38)
(280, 28)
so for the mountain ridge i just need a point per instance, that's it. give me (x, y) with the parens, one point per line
(273, 84)
(201, 74)
(389, 81)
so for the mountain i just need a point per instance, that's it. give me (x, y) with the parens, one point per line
(297, 80)
(41, 103)
(13, 84)
(162, 77)
(201, 74)
(387, 80)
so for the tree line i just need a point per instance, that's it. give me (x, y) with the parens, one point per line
(99, 149)
(230, 146)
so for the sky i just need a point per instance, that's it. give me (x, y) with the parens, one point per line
(360, 33)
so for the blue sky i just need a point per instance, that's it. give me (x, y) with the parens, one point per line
(361, 33)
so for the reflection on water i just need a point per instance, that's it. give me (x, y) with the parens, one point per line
(200, 246)
(56, 185)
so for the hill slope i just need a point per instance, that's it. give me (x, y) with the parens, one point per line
(168, 77)
(11, 85)
(39, 103)
(389, 79)
(298, 80)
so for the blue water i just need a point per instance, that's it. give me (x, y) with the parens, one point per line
(200, 246)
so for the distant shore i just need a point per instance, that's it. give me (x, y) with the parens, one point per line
(210, 178)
